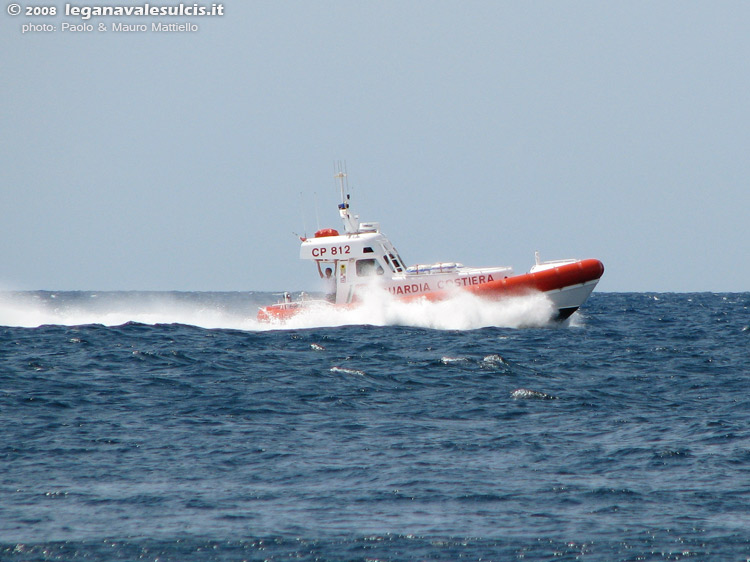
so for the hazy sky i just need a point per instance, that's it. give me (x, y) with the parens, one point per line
(474, 131)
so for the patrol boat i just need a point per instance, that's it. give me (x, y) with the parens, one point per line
(362, 258)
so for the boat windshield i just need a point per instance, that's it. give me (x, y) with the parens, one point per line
(368, 267)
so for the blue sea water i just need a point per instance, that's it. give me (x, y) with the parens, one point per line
(173, 427)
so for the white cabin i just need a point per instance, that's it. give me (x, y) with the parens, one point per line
(364, 257)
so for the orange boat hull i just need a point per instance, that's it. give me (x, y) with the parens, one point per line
(568, 285)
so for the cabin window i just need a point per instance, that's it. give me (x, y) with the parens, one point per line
(365, 268)
(367, 250)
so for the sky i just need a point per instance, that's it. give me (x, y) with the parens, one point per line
(476, 131)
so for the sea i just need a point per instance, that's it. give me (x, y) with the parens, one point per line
(166, 426)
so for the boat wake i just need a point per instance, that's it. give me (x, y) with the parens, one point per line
(237, 311)
(205, 310)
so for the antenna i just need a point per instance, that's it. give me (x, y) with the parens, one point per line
(343, 182)
(351, 224)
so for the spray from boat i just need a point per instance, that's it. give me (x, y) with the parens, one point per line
(234, 311)
(460, 311)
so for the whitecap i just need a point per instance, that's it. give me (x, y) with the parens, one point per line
(494, 359)
(527, 394)
(451, 360)
(347, 371)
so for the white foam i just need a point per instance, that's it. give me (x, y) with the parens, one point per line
(527, 394)
(346, 371)
(30, 311)
(453, 360)
(462, 311)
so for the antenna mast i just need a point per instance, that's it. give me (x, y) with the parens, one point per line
(351, 223)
